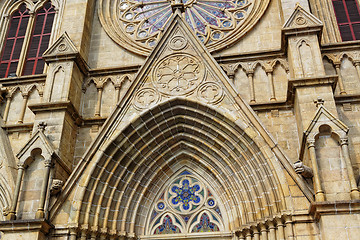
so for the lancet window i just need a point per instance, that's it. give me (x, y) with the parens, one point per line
(26, 39)
(348, 18)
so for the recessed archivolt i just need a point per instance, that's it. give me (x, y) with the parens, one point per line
(129, 173)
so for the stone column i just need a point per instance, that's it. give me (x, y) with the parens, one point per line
(40, 212)
(73, 234)
(340, 80)
(23, 107)
(7, 108)
(280, 227)
(289, 231)
(98, 103)
(354, 192)
(263, 230)
(117, 92)
(319, 193)
(256, 233)
(357, 66)
(272, 230)
(269, 74)
(12, 213)
(248, 234)
(250, 75)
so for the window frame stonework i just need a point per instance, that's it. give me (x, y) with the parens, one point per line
(9, 8)
(324, 10)
(349, 21)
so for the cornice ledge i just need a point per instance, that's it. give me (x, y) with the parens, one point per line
(41, 225)
(308, 82)
(317, 209)
(57, 106)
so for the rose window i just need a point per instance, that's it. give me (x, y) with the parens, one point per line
(138, 24)
(186, 205)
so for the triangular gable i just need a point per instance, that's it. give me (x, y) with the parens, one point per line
(40, 141)
(300, 18)
(322, 117)
(180, 66)
(62, 47)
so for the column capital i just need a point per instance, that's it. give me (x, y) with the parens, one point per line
(48, 163)
(344, 141)
(310, 143)
(21, 165)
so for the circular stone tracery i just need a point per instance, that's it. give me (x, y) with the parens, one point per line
(138, 24)
(186, 195)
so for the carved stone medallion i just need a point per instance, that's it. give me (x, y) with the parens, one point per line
(146, 98)
(178, 43)
(178, 74)
(210, 92)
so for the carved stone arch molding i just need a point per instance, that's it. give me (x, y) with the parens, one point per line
(125, 181)
(5, 197)
(138, 25)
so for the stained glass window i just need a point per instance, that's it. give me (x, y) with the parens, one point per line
(39, 40)
(21, 35)
(14, 41)
(139, 24)
(187, 205)
(348, 18)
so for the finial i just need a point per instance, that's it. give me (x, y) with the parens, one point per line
(177, 6)
(41, 126)
(319, 102)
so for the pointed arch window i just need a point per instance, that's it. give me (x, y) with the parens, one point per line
(348, 18)
(186, 205)
(27, 38)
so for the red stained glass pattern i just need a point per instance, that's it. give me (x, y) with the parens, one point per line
(14, 41)
(34, 64)
(348, 18)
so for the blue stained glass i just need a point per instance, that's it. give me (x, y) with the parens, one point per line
(152, 15)
(208, 18)
(216, 12)
(185, 173)
(185, 194)
(224, 4)
(199, 24)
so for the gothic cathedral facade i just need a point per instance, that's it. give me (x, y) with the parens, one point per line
(179, 119)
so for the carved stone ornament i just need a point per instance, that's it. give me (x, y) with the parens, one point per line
(178, 43)
(56, 186)
(137, 25)
(178, 74)
(146, 98)
(210, 92)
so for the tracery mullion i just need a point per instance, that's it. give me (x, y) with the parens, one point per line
(23, 17)
(26, 43)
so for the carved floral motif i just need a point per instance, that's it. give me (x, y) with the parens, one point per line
(210, 92)
(178, 74)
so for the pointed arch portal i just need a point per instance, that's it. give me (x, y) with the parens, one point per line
(150, 155)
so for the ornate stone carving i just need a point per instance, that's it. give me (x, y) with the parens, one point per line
(178, 43)
(146, 98)
(137, 25)
(56, 186)
(210, 92)
(303, 170)
(178, 74)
